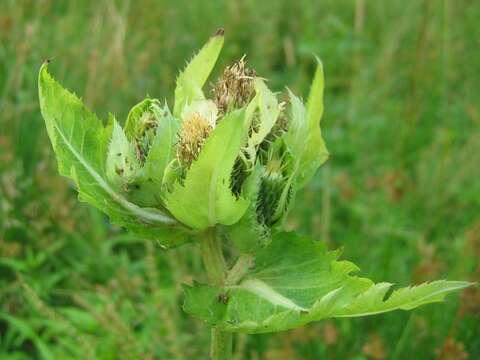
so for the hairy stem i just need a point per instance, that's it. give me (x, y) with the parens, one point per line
(214, 262)
(221, 345)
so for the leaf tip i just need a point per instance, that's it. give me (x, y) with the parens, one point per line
(319, 62)
(220, 32)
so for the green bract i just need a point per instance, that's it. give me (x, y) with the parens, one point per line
(222, 168)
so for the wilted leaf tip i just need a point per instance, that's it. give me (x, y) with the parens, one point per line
(220, 32)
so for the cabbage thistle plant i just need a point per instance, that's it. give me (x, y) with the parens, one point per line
(219, 167)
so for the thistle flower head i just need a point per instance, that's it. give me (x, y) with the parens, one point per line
(235, 88)
(193, 134)
(145, 131)
(234, 160)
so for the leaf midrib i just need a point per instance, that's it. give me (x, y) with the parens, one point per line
(144, 214)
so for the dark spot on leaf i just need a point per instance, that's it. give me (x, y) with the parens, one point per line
(223, 298)
(389, 293)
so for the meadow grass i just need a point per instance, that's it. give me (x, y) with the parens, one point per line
(401, 191)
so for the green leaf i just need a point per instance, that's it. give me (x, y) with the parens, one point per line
(135, 114)
(142, 184)
(268, 111)
(163, 150)
(149, 187)
(295, 281)
(315, 97)
(248, 234)
(28, 331)
(80, 142)
(122, 165)
(304, 136)
(192, 79)
(205, 198)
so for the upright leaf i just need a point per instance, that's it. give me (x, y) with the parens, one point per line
(163, 149)
(315, 97)
(149, 187)
(268, 112)
(263, 109)
(135, 114)
(304, 136)
(205, 198)
(192, 79)
(296, 281)
(122, 165)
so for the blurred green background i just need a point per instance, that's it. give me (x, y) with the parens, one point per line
(401, 192)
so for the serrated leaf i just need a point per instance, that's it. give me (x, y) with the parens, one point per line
(122, 165)
(191, 80)
(135, 114)
(149, 187)
(248, 234)
(304, 136)
(205, 198)
(296, 281)
(163, 148)
(80, 142)
(268, 111)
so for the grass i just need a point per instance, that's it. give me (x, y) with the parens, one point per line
(400, 192)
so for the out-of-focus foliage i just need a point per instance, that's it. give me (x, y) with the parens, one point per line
(400, 191)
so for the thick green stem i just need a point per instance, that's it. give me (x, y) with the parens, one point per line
(221, 345)
(214, 262)
(212, 257)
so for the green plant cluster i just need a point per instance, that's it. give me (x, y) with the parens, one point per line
(400, 192)
(171, 178)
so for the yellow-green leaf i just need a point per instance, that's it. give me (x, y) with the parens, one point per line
(205, 198)
(80, 142)
(191, 80)
(295, 281)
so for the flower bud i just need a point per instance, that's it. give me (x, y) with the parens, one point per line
(193, 134)
(198, 121)
(234, 161)
(145, 131)
(235, 88)
(139, 154)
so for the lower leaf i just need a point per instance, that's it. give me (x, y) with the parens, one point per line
(294, 281)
